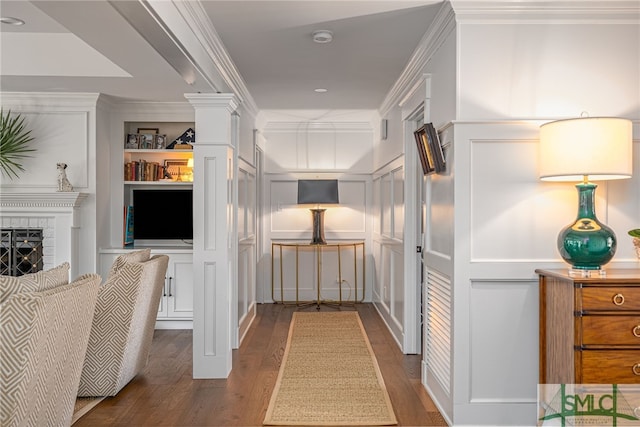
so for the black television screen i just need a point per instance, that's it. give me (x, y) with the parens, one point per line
(162, 214)
(315, 191)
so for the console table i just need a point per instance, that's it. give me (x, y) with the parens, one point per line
(318, 250)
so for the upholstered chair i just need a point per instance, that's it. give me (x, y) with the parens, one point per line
(123, 325)
(44, 330)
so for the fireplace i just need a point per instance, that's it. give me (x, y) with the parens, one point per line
(20, 251)
(57, 215)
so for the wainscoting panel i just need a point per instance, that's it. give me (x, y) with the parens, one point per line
(504, 365)
(517, 223)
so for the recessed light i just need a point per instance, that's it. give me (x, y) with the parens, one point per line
(322, 36)
(11, 20)
(320, 90)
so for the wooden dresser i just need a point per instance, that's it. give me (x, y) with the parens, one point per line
(589, 327)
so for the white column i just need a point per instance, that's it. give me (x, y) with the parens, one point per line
(214, 207)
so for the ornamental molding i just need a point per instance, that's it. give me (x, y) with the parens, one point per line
(42, 200)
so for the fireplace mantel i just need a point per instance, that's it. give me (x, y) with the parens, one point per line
(42, 200)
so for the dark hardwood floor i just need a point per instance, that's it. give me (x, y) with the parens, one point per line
(166, 395)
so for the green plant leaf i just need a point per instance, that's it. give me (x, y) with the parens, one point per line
(14, 143)
(635, 233)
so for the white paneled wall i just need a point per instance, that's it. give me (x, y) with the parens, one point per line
(388, 232)
(348, 221)
(246, 288)
(333, 148)
(318, 146)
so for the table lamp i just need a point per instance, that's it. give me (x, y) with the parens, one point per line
(190, 166)
(583, 149)
(317, 192)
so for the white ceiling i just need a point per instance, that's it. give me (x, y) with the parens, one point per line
(117, 49)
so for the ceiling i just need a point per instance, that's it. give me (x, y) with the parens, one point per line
(116, 48)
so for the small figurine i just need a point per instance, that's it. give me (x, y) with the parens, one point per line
(63, 182)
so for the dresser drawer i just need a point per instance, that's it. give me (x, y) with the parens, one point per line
(610, 298)
(611, 330)
(610, 367)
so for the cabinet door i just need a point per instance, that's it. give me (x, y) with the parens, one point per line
(162, 308)
(180, 287)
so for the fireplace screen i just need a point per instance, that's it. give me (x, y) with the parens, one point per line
(20, 251)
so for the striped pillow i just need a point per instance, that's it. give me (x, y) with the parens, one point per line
(135, 256)
(34, 282)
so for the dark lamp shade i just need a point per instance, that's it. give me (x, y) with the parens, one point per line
(318, 191)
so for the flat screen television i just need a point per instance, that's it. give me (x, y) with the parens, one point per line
(317, 191)
(163, 217)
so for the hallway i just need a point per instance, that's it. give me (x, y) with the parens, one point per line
(167, 395)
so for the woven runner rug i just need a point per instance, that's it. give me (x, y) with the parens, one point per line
(329, 375)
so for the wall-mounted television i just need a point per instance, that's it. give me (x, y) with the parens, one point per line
(162, 217)
(429, 149)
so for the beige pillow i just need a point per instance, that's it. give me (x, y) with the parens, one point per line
(34, 282)
(135, 256)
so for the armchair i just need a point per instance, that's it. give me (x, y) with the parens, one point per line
(123, 325)
(44, 330)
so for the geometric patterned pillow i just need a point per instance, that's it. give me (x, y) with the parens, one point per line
(135, 256)
(34, 282)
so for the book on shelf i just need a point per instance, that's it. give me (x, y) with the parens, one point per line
(128, 226)
(141, 170)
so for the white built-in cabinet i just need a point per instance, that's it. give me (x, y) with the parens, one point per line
(177, 297)
(176, 304)
(175, 310)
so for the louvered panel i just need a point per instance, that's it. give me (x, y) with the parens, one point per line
(438, 331)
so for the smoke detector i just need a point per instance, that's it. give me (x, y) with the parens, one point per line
(322, 36)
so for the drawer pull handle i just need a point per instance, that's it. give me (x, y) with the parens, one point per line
(636, 369)
(636, 331)
(618, 299)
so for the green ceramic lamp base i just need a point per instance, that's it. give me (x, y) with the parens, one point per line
(587, 244)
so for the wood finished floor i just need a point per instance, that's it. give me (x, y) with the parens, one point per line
(166, 395)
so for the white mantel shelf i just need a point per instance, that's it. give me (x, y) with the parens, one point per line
(42, 200)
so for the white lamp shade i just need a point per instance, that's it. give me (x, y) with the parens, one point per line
(597, 147)
(190, 162)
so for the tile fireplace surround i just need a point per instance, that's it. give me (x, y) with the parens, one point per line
(57, 214)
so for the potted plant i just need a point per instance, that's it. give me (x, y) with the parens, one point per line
(14, 143)
(635, 233)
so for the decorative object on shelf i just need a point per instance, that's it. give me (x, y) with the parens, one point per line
(190, 169)
(63, 183)
(316, 192)
(160, 142)
(184, 141)
(429, 149)
(14, 143)
(174, 167)
(132, 142)
(147, 139)
(597, 148)
(635, 233)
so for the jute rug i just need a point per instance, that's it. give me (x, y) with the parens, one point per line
(329, 375)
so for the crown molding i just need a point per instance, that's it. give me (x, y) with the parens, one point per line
(67, 101)
(317, 127)
(196, 17)
(190, 28)
(442, 26)
(532, 11)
